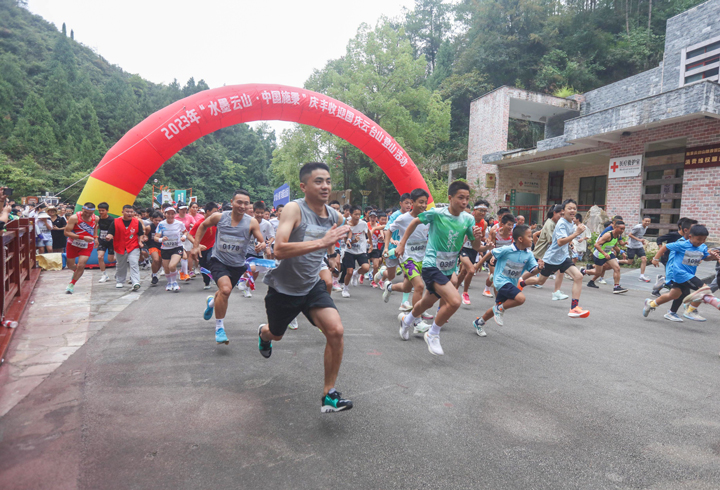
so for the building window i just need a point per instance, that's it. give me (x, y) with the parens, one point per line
(592, 191)
(700, 62)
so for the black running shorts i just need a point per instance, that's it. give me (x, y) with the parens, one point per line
(432, 276)
(218, 270)
(551, 269)
(282, 308)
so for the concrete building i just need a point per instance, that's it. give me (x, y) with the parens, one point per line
(646, 145)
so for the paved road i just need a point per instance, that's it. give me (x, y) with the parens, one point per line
(613, 401)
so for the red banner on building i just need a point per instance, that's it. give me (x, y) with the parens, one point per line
(702, 156)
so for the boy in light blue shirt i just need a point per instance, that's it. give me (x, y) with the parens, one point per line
(511, 261)
(557, 258)
(685, 256)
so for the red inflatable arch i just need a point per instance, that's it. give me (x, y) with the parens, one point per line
(128, 165)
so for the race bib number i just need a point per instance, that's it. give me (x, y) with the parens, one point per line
(103, 234)
(416, 248)
(79, 243)
(446, 261)
(230, 244)
(513, 270)
(692, 259)
(170, 243)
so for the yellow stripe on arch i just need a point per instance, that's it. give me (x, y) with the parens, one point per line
(97, 191)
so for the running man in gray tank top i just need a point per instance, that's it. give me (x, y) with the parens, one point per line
(307, 230)
(227, 263)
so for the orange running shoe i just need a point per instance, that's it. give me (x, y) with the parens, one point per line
(578, 312)
(184, 277)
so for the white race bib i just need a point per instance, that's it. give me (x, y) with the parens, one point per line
(103, 234)
(230, 244)
(692, 259)
(170, 243)
(446, 261)
(415, 249)
(513, 270)
(79, 243)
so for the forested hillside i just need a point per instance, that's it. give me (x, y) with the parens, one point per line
(62, 106)
(417, 75)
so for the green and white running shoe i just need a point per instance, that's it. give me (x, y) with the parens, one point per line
(333, 402)
(70, 288)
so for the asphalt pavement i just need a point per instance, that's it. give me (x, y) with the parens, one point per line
(613, 401)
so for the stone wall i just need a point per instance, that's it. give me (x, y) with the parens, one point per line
(630, 89)
(693, 26)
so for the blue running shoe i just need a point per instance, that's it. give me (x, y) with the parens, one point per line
(265, 347)
(208, 309)
(333, 402)
(220, 336)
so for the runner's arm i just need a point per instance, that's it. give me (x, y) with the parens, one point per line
(213, 220)
(68, 229)
(257, 234)
(661, 252)
(289, 220)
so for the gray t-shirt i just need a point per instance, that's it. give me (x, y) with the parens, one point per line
(296, 276)
(639, 232)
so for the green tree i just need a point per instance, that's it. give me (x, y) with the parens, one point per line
(35, 128)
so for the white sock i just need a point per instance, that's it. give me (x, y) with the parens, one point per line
(211, 303)
(183, 266)
(154, 274)
(435, 329)
(487, 288)
(345, 287)
(219, 324)
(409, 319)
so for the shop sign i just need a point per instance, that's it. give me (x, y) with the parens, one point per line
(702, 156)
(529, 185)
(625, 167)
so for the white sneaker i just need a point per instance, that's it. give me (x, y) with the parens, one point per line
(559, 295)
(433, 343)
(601, 281)
(104, 277)
(207, 287)
(176, 287)
(404, 329)
(422, 327)
(118, 285)
(293, 324)
(242, 285)
(498, 315)
(479, 323)
(378, 277)
(427, 316)
(168, 287)
(345, 292)
(552, 276)
(247, 293)
(643, 278)
(693, 315)
(387, 291)
(406, 306)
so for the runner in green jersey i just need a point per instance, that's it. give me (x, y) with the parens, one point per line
(448, 228)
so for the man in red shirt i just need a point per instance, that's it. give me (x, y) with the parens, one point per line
(207, 242)
(127, 233)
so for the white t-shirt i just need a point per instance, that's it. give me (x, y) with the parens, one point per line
(267, 230)
(580, 247)
(416, 244)
(359, 232)
(173, 231)
(275, 222)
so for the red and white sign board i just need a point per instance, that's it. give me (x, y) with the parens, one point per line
(625, 167)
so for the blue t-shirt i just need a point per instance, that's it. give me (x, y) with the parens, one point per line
(684, 260)
(395, 234)
(510, 264)
(556, 254)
